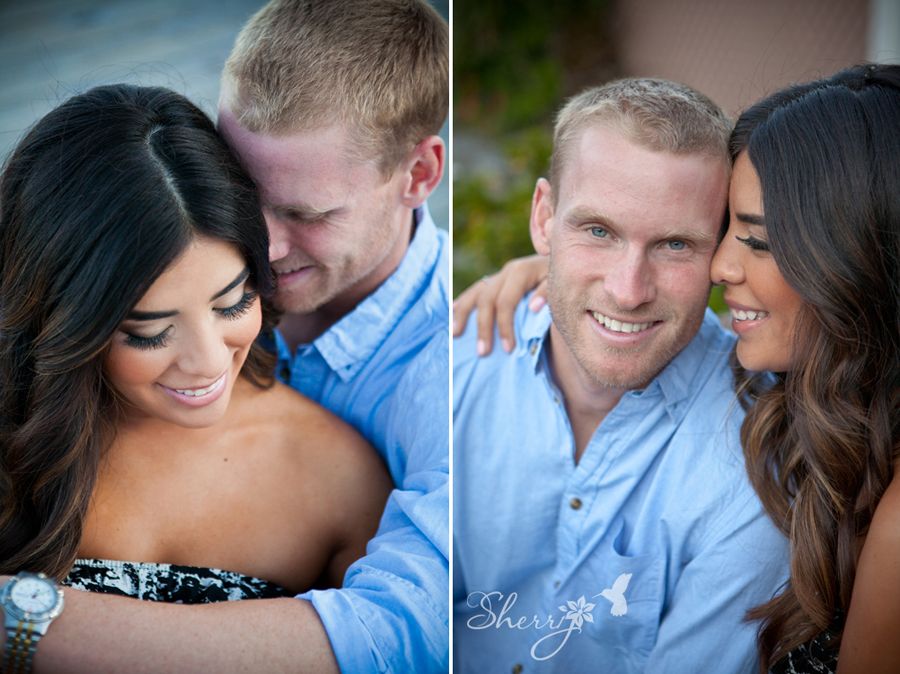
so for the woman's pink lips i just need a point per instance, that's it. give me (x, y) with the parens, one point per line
(199, 401)
(745, 326)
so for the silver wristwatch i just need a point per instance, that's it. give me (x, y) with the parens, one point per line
(30, 602)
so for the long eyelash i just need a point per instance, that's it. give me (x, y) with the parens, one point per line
(241, 308)
(147, 343)
(753, 243)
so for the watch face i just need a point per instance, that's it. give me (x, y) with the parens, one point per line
(33, 595)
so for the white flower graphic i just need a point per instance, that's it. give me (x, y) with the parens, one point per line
(578, 611)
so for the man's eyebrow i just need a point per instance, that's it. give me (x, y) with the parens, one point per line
(136, 315)
(581, 214)
(304, 211)
(697, 235)
(751, 219)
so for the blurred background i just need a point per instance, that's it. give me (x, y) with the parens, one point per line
(515, 63)
(53, 49)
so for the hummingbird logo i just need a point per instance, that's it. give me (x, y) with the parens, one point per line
(616, 595)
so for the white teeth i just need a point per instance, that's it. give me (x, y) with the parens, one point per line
(197, 392)
(741, 315)
(619, 326)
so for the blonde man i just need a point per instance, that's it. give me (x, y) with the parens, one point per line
(333, 106)
(623, 534)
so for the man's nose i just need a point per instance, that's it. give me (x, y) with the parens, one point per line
(630, 281)
(279, 243)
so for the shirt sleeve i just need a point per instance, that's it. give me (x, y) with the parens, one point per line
(743, 564)
(392, 613)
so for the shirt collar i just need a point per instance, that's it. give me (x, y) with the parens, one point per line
(678, 381)
(675, 382)
(535, 330)
(350, 343)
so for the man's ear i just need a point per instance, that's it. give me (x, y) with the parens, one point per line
(541, 216)
(423, 169)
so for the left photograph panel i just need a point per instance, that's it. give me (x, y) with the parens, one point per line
(224, 321)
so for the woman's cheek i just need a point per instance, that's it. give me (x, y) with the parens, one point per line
(126, 366)
(244, 331)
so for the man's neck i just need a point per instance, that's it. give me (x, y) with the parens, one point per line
(587, 401)
(304, 328)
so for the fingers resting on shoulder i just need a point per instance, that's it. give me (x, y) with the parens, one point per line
(496, 297)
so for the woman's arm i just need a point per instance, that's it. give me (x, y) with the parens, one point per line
(101, 633)
(870, 643)
(497, 296)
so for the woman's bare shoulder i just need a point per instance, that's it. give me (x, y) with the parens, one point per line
(869, 642)
(885, 527)
(292, 423)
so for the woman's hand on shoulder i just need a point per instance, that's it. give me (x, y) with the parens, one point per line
(497, 296)
(870, 644)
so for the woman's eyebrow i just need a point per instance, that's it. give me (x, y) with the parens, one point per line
(751, 219)
(239, 279)
(136, 315)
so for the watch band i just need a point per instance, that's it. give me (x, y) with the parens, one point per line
(18, 652)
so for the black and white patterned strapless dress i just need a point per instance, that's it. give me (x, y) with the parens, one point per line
(168, 582)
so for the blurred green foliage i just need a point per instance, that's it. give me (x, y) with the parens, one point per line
(514, 64)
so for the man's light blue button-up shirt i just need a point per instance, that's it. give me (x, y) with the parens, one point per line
(643, 557)
(384, 368)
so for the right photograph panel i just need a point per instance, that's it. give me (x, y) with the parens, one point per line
(676, 354)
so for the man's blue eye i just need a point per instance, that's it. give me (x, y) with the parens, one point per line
(677, 245)
(599, 232)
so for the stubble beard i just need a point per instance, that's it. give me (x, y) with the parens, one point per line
(568, 317)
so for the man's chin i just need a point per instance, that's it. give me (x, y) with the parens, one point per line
(296, 308)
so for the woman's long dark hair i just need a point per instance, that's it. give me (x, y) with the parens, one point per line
(98, 199)
(820, 445)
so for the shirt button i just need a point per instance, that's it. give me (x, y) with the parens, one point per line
(556, 584)
(534, 348)
(575, 503)
(517, 669)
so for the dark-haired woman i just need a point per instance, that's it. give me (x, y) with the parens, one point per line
(145, 448)
(811, 269)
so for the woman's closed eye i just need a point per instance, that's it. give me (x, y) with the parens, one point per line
(753, 243)
(241, 307)
(158, 341)
(147, 343)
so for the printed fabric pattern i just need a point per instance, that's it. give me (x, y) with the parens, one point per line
(168, 582)
(816, 656)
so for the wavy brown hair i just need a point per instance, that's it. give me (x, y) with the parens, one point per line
(97, 200)
(820, 445)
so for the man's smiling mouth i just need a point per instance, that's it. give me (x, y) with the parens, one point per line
(620, 326)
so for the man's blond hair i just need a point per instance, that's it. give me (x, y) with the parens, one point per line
(660, 115)
(377, 67)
